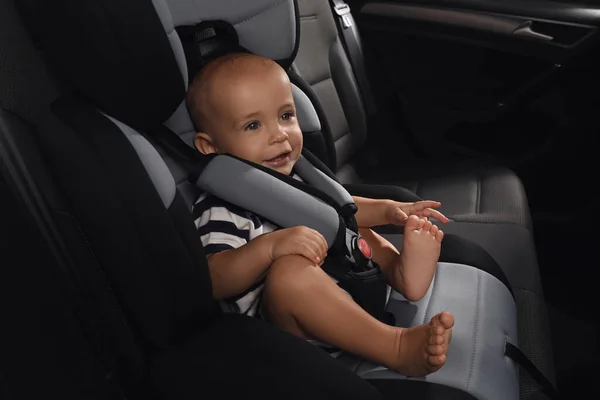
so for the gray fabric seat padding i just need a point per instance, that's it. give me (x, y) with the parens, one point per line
(515, 254)
(532, 317)
(322, 62)
(252, 189)
(485, 319)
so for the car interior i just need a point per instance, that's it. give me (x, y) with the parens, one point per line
(487, 107)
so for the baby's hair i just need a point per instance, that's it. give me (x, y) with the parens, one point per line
(199, 90)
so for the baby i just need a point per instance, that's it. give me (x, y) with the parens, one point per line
(242, 104)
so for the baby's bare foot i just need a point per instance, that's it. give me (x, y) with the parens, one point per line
(421, 244)
(422, 349)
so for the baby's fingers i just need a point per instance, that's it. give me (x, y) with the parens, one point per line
(400, 216)
(309, 250)
(434, 214)
(423, 204)
(321, 243)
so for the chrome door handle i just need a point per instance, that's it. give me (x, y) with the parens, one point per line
(526, 31)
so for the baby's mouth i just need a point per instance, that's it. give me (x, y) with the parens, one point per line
(279, 160)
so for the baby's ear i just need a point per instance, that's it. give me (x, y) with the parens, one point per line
(204, 143)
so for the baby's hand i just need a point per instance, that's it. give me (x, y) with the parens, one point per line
(299, 240)
(397, 213)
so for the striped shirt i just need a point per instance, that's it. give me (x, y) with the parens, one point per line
(223, 226)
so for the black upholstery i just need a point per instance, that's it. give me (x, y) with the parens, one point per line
(39, 321)
(163, 300)
(249, 356)
(88, 58)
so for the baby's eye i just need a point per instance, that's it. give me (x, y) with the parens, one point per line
(287, 116)
(252, 126)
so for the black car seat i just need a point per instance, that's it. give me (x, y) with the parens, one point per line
(118, 83)
(124, 235)
(487, 204)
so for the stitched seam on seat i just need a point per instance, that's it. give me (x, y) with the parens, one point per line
(429, 300)
(476, 331)
(327, 78)
(344, 134)
(79, 229)
(462, 218)
(102, 273)
(478, 197)
(275, 5)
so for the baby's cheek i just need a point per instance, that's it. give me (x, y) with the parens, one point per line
(298, 137)
(252, 152)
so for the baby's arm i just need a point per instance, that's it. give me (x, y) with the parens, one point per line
(235, 270)
(376, 212)
(371, 212)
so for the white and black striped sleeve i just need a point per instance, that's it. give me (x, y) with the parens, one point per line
(222, 226)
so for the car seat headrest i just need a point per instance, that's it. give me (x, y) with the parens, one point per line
(113, 53)
(127, 59)
(265, 27)
(211, 28)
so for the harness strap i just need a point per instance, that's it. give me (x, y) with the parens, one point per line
(514, 353)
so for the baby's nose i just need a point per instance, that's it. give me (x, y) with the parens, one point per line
(279, 136)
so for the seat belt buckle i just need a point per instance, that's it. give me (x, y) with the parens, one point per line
(343, 10)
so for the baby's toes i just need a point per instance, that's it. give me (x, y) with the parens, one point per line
(434, 229)
(435, 349)
(436, 360)
(437, 329)
(427, 226)
(436, 339)
(439, 235)
(414, 223)
(446, 319)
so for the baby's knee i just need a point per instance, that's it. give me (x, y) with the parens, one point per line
(291, 273)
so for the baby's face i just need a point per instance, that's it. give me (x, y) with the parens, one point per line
(253, 117)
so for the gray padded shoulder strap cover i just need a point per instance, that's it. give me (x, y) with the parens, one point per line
(319, 180)
(252, 189)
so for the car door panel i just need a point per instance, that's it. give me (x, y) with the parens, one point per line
(457, 62)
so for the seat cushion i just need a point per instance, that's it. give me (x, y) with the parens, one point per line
(484, 321)
(470, 191)
(233, 358)
(243, 365)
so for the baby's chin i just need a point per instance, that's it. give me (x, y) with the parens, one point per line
(286, 170)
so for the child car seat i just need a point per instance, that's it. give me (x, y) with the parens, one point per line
(152, 318)
(114, 99)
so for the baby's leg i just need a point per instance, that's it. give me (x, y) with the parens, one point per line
(409, 272)
(305, 301)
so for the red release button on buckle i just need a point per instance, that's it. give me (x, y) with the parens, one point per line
(364, 247)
